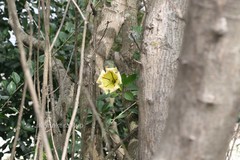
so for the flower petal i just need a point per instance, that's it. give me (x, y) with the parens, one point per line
(109, 80)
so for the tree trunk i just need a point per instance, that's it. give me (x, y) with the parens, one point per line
(163, 34)
(205, 104)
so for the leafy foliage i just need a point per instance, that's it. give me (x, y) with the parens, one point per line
(119, 105)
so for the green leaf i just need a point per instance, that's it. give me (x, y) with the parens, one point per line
(41, 58)
(137, 29)
(14, 109)
(53, 27)
(4, 97)
(129, 96)
(31, 67)
(103, 96)
(4, 83)
(108, 121)
(11, 88)
(69, 26)
(126, 79)
(134, 110)
(62, 36)
(100, 105)
(106, 108)
(121, 116)
(135, 93)
(136, 55)
(132, 87)
(16, 78)
(57, 43)
(27, 127)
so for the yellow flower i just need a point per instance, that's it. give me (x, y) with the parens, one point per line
(109, 80)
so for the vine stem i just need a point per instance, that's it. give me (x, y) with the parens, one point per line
(28, 78)
(76, 103)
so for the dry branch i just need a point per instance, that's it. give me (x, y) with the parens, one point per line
(19, 122)
(15, 25)
(76, 103)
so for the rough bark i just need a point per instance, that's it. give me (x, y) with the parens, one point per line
(124, 58)
(205, 104)
(162, 40)
(107, 30)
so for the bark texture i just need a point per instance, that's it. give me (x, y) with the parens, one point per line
(205, 105)
(124, 58)
(110, 20)
(162, 41)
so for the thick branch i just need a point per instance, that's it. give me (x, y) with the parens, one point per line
(107, 30)
(65, 87)
(25, 38)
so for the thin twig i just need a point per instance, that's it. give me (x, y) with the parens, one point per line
(36, 148)
(93, 133)
(104, 32)
(60, 27)
(79, 10)
(52, 102)
(78, 93)
(234, 141)
(73, 141)
(19, 122)
(13, 16)
(46, 53)
(95, 113)
(135, 42)
(145, 5)
(133, 132)
(51, 133)
(46, 14)
(124, 111)
(65, 76)
(24, 88)
(19, 87)
(31, 30)
(75, 50)
(37, 58)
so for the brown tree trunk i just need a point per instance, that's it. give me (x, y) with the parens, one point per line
(163, 34)
(207, 92)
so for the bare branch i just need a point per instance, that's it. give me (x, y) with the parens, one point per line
(78, 93)
(60, 27)
(51, 134)
(132, 133)
(79, 10)
(95, 113)
(15, 25)
(19, 122)
(25, 37)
